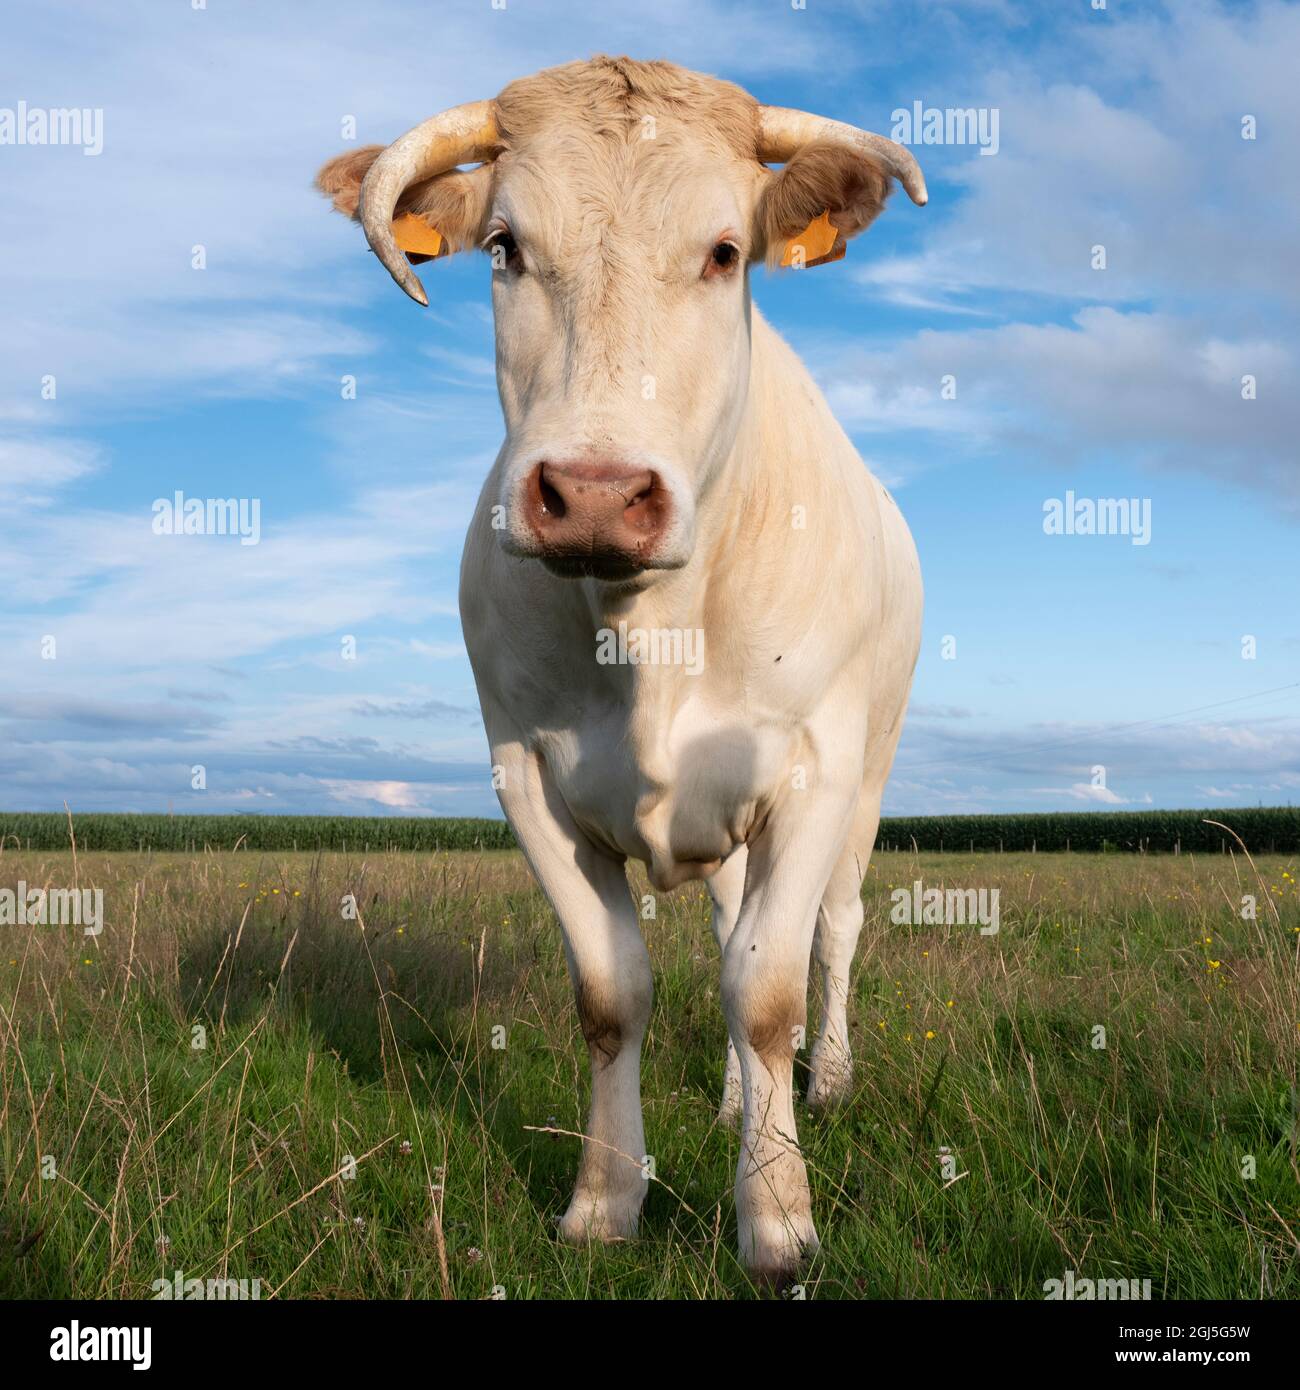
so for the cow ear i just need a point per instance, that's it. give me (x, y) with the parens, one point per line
(826, 194)
(433, 218)
(340, 180)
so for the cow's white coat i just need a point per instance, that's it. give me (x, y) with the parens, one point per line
(763, 774)
(757, 765)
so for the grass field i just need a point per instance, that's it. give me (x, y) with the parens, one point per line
(129, 1153)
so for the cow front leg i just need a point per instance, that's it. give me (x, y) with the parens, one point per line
(612, 985)
(727, 889)
(765, 988)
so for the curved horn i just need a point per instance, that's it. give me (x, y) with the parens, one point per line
(461, 135)
(783, 131)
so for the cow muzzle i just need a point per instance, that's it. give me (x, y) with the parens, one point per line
(599, 520)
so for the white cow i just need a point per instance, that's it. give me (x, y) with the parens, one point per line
(692, 613)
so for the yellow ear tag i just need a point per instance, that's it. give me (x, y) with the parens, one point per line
(414, 235)
(818, 244)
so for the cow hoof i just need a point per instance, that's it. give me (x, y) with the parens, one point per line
(831, 1081)
(777, 1251)
(598, 1220)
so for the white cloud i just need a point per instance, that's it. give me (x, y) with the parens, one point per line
(1086, 791)
(33, 471)
(215, 122)
(1150, 387)
(398, 796)
(1182, 204)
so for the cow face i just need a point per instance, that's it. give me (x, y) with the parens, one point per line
(621, 205)
(621, 301)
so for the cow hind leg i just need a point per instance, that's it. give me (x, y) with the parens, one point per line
(765, 994)
(727, 889)
(839, 923)
(766, 1010)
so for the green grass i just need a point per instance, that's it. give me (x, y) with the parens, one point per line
(324, 1041)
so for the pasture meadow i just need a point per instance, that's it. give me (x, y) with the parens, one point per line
(237, 1079)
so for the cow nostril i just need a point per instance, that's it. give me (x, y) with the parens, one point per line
(644, 505)
(552, 501)
(638, 490)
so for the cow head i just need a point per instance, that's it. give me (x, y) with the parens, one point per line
(621, 204)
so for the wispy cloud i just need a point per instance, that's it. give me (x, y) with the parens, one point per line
(181, 312)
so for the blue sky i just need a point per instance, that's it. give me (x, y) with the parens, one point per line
(1119, 127)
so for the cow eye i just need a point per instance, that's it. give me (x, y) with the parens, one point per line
(724, 257)
(504, 250)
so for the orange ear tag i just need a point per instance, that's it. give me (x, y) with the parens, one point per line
(414, 236)
(819, 243)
